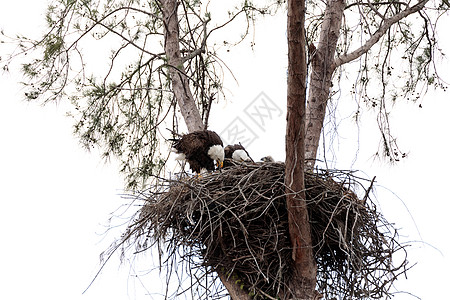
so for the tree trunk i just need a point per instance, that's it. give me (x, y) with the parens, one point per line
(304, 277)
(180, 82)
(322, 70)
(186, 103)
(236, 293)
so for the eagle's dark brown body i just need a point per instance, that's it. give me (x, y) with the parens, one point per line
(195, 147)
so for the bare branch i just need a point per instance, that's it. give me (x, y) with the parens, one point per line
(343, 59)
(378, 4)
(375, 10)
(129, 42)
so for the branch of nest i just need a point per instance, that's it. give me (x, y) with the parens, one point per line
(236, 220)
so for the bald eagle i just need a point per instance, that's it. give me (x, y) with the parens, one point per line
(200, 149)
(235, 152)
(267, 158)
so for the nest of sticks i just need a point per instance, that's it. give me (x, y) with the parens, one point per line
(235, 221)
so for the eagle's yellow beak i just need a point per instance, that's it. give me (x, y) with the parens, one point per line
(220, 164)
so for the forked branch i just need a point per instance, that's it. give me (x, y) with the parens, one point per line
(343, 59)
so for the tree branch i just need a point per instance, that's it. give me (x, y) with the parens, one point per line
(378, 4)
(180, 82)
(343, 59)
(375, 10)
(236, 293)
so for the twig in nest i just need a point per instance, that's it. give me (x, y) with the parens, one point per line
(236, 221)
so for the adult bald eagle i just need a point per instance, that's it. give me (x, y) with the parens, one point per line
(235, 152)
(200, 149)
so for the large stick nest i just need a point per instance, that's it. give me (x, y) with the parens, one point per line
(235, 221)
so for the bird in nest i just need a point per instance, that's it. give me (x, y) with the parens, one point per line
(236, 153)
(200, 149)
(268, 159)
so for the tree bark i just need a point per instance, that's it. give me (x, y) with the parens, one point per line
(180, 82)
(236, 293)
(303, 282)
(322, 68)
(324, 64)
(185, 100)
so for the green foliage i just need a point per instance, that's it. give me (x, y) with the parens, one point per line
(107, 57)
(123, 95)
(29, 70)
(53, 46)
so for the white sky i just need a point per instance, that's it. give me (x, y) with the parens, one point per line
(56, 197)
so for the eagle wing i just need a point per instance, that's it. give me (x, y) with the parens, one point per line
(195, 146)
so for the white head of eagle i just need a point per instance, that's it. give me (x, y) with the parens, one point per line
(236, 152)
(200, 149)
